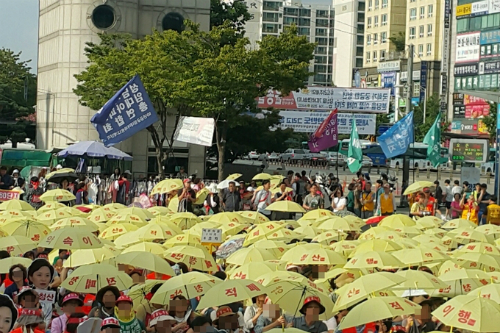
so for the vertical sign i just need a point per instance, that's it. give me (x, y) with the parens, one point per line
(447, 13)
(423, 80)
(497, 160)
(444, 84)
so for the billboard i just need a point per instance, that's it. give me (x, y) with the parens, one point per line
(467, 49)
(308, 122)
(329, 98)
(464, 10)
(472, 127)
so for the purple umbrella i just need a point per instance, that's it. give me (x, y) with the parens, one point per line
(94, 149)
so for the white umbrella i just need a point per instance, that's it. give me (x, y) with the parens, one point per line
(225, 184)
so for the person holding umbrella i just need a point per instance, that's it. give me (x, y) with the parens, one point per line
(309, 322)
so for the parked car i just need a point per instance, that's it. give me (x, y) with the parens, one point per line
(294, 155)
(253, 155)
(333, 158)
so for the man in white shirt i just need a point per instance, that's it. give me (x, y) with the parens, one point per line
(448, 192)
(456, 188)
(263, 199)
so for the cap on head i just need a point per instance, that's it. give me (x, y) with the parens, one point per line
(110, 322)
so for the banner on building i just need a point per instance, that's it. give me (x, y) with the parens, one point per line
(308, 122)
(129, 111)
(195, 130)
(472, 127)
(326, 135)
(6, 195)
(479, 8)
(329, 98)
(389, 81)
(467, 49)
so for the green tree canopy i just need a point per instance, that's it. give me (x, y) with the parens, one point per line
(491, 120)
(432, 110)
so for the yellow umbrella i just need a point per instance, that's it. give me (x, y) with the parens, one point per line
(184, 221)
(363, 287)
(344, 247)
(373, 259)
(327, 237)
(58, 195)
(396, 221)
(189, 285)
(18, 213)
(182, 239)
(285, 206)
(418, 187)
(377, 245)
(231, 291)
(15, 204)
(30, 229)
(262, 176)
(201, 195)
(419, 280)
(252, 270)
(408, 231)
(101, 215)
(125, 240)
(314, 256)
(72, 211)
(390, 235)
(466, 235)
(271, 277)
(458, 223)
(234, 176)
(72, 239)
(114, 206)
(316, 214)
(489, 229)
(51, 205)
(379, 308)
(354, 219)
(232, 229)
(419, 256)
(447, 266)
(309, 232)
(166, 186)
(284, 235)
(50, 216)
(74, 222)
(336, 223)
(250, 254)
(276, 247)
(145, 260)
(7, 263)
(373, 232)
(53, 173)
(470, 313)
(227, 217)
(426, 239)
(121, 218)
(485, 262)
(462, 281)
(489, 291)
(193, 256)
(495, 277)
(159, 210)
(89, 256)
(254, 217)
(90, 278)
(480, 248)
(437, 232)
(261, 231)
(154, 248)
(428, 222)
(141, 212)
(114, 231)
(154, 231)
(17, 245)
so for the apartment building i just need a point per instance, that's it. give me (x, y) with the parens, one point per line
(384, 19)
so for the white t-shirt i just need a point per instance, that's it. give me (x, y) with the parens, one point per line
(331, 324)
(449, 193)
(339, 202)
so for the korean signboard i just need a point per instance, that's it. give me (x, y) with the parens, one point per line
(447, 13)
(490, 37)
(326, 98)
(8, 195)
(489, 51)
(473, 127)
(494, 6)
(445, 51)
(466, 70)
(389, 81)
(307, 122)
(479, 8)
(469, 107)
(467, 49)
(423, 79)
(464, 10)
(129, 111)
(389, 66)
(469, 150)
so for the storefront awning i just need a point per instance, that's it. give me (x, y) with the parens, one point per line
(493, 96)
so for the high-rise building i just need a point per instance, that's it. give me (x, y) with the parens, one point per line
(348, 40)
(424, 28)
(316, 22)
(64, 29)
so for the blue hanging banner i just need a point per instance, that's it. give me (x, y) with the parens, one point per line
(395, 140)
(129, 111)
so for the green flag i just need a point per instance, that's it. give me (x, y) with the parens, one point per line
(354, 154)
(433, 140)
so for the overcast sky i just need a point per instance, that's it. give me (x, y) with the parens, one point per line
(19, 28)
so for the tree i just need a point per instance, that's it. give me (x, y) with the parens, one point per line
(17, 94)
(432, 109)
(491, 120)
(236, 13)
(399, 41)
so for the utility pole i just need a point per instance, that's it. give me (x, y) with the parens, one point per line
(409, 80)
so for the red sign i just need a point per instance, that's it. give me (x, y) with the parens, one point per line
(6, 195)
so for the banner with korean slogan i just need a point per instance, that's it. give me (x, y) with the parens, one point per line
(325, 135)
(129, 111)
(395, 140)
(195, 130)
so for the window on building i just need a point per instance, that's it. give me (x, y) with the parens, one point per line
(103, 17)
(359, 62)
(475, 23)
(369, 22)
(361, 17)
(321, 32)
(269, 17)
(375, 38)
(368, 56)
(290, 21)
(412, 32)
(321, 41)
(304, 12)
(377, 2)
(383, 37)
(321, 22)
(320, 59)
(320, 50)
(271, 5)
(420, 50)
(359, 40)
(374, 56)
(370, 2)
(375, 21)
(320, 68)
(270, 28)
(463, 25)
(361, 6)
(304, 22)
(385, 3)
(369, 39)
(322, 13)
(413, 14)
(359, 51)
(304, 31)
(384, 19)
(422, 12)
(429, 29)
(430, 10)
(429, 49)
(291, 11)
(421, 31)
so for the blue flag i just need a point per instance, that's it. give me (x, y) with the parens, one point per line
(129, 111)
(395, 140)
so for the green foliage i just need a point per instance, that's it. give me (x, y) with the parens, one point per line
(491, 120)
(433, 109)
(17, 93)
(196, 73)
(236, 13)
(399, 41)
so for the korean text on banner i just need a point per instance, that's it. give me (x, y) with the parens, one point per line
(395, 140)
(328, 98)
(307, 122)
(6, 195)
(328, 137)
(199, 131)
(129, 111)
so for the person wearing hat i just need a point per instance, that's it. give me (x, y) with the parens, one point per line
(212, 202)
(106, 300)
(124, 312)
(16, 180)
(226, 320)
(387, 203)
(161, 322)
(74, 321)
(70, 304)
(309, 322)
(29, 321)
(110, 325)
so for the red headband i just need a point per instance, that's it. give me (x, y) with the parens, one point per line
(77, 320)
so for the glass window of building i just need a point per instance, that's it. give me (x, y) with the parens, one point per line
(269, 17)
(430, 10)
(369, 22)
(420, 50)
(359, 40)
(413, 14)
(368, 39)
(412, 32)
(475, 23)
(321, 32)
(375, 21)
(322, 13)
(304, 31)
(359, 62)
(290, 21)
(375, 38)
(269, 28)
(359, 51)
(370, 4)
(361, 7)
(304, 22)
(271, 5)
(305, 12)
(374, 56)
(321, 23)
(429, 49)
(384, 19)
(421, 31)
(291, 11)
(322, 41)
(422, 12)
(463, 25)
(383, 37)
(368, 56)
(429, 29)
(385, 3)
(382, 54)
(377, 2)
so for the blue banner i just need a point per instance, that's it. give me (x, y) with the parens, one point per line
(423, 80)
(395, 140)
(489, 37)
(129, 111)
(389, 81)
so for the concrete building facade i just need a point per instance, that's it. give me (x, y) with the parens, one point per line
(65, 26)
